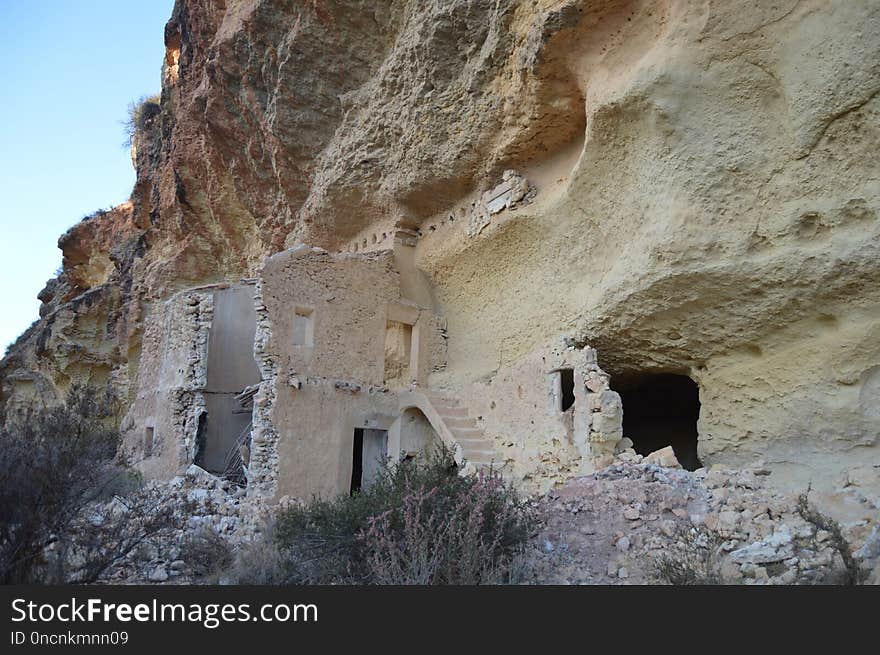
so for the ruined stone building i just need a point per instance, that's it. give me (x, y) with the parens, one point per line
(529, 229)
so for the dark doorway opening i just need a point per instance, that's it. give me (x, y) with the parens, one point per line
(369, 451)
(357, 460)
(566, 388)
(199, 458)
(661, 410)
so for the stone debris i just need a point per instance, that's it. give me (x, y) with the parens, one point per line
(664, 457)
(158, 574)
(202, 502)
(776, 548)
(514, 189)
(654, 187)
(605, 528)
(612, 526)
(631, 513)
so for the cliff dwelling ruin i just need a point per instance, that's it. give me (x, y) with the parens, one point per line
(352, 259)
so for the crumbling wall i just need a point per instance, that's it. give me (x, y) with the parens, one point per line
(747, 261)
(695, 191)
(519, 407)
(262, 467)
(169, 389)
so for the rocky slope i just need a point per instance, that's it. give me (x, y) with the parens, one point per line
(638, 522)
(706, 190)
(635, 522)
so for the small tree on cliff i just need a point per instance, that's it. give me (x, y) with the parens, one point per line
(141, 115)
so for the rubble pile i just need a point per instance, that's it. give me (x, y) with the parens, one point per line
(615, 526)
(202, 503)
(618, 525)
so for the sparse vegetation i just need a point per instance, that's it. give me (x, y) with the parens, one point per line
(851, 574)
(207, 553)
(696, 561)
(697, 558)
(141, 114)
(260, 562)
(59, 472)
(419, 523)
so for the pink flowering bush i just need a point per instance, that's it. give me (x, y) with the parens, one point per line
(468, 539)
(419, 523)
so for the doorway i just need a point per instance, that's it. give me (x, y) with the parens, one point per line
(369, 451)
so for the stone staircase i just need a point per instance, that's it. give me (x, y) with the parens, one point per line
(450, 420)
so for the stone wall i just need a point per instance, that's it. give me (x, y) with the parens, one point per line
(519, 407)
(169, 388)
(686, 187)
(316, 395)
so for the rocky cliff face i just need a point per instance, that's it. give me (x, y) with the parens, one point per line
(703, 178)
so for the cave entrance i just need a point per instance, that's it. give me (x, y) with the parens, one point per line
(659, 410)
(369, 451)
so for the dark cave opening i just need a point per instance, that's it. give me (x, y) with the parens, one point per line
(659, 410)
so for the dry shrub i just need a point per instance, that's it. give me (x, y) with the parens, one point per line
(70, 508)
(465, 540)
(419, 523)
(695, 561)
(206, 553)
(141, 116)
(851, 574)
(259, 562)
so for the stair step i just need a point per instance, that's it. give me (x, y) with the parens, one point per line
(480, 454)
(483, 457)
(451, 412)
(437, 398)
(475, 442)
(486, 464)
(477, 452)
(461, 422)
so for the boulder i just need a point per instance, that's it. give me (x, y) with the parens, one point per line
(777, 547)
(664, 457)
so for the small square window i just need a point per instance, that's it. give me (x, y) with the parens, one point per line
(303, 327)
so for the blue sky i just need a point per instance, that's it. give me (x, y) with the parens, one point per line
(70, 68)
